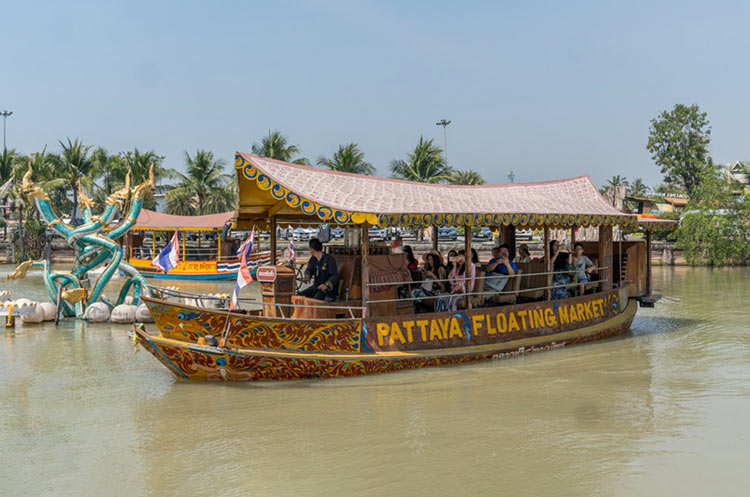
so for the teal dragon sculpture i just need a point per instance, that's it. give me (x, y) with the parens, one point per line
(95, 243)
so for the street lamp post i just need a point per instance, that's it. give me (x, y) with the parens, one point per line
(444, 124)
(5, 114)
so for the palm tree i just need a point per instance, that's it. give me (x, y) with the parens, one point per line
(348, 159)
(205, 189)
(466, 178)
(138, 163)
(638, 188)
(426, 164)
(276, 146)
(71, 165)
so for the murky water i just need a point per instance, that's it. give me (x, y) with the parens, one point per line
(662, 410)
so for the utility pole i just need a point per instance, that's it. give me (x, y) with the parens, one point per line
(511, 176)
(5, 114)
(444, 124)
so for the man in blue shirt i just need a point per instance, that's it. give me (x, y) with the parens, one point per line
(500, 268)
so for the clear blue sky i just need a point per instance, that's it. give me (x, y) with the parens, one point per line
(550, 90)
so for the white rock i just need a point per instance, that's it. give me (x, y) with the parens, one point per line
(49, 310)
(123, 313)
(37, 316)
(98, 312)
(142, 315)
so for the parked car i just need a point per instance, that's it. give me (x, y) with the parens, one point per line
(524, 235)
(300, 234)
(484, 234)
(447, 233)
(376, 233)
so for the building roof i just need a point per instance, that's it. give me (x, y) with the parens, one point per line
(296, 193)
(151, 220)
(677, 201)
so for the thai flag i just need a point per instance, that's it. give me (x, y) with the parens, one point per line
(169, 257)
(243, 275)
(292, 253)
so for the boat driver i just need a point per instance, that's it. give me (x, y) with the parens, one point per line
(321, 269)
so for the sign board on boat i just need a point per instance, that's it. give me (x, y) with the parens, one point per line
(266, 274)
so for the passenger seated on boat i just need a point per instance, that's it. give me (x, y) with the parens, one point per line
(560, 278)
(431, 272)
(500, 268)
(321, 269)
(583, 266)
(523, 253)
(449, 264)
(461, 278)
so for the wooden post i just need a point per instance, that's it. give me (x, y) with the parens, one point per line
(435, 238)
(365, 269)
(467, 251)
(648, 263)
(153, 243)
(572, 238)
(605, 256)
(547, 259)
(508, 235)
(273, 240)
(218, 238)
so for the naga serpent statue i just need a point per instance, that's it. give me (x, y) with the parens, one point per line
(94, 249)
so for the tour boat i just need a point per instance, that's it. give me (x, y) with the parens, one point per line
(205, 251)
(377, 326)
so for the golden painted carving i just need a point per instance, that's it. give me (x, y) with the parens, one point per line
(83, 200)
(20, 271)
(122, 194)
(30, 189)
(141, 190)
(75, 295)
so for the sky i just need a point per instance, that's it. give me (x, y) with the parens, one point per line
(547, 89)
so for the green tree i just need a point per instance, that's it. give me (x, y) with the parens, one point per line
(638, 188)
(72, 164)
(138, 163)
(205, 189)
(466, 178)
(715, 229)
(348, 159)
(426, 164)
(678, 141)
(276, 146)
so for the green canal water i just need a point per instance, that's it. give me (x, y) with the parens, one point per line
(661, 410)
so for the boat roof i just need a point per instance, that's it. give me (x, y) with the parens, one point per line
(298, 194)
(648, 223)
(152, 220)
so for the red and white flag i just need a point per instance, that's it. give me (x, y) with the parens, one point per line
(243, 275)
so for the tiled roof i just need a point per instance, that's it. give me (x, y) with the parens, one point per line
(372, 194)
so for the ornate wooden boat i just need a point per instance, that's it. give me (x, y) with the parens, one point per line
(374, 327)
(206, 251)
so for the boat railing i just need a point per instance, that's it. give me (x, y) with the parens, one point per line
(199, 298)
(598, 283)
(517, 275)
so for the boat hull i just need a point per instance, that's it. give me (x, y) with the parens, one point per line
(190, 360)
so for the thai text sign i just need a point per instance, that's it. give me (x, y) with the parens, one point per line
(266, 274)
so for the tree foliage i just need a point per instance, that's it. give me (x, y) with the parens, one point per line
(348, 159)
(276, 146)
(715, 229)
(466, 178)
(678, 141)
(426, 164)
(205, 189)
